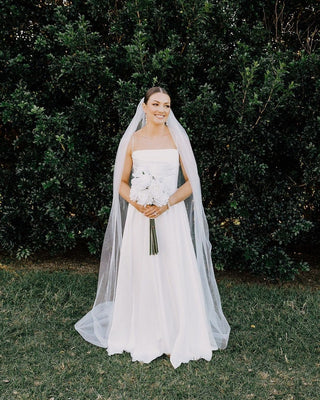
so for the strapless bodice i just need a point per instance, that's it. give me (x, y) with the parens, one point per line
(161, 163)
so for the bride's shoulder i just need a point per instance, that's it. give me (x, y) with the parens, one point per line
(132, 142)
(138, 133)
(136, 136)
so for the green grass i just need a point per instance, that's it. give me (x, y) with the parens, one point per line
(273, 351)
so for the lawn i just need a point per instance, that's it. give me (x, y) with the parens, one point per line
(273, 351)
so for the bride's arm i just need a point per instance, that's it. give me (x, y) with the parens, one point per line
(124, 189)
(183, 192)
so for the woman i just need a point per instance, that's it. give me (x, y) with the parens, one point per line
(156, 290)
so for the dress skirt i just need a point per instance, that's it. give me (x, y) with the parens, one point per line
(159, 306)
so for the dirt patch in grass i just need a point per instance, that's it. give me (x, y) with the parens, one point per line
(80, 261)
(308, 279)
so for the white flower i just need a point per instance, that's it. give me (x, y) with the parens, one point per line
(159, 193)
(141, 179)
(146, 189)
(144, 197)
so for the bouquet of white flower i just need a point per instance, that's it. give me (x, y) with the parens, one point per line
(149, 190)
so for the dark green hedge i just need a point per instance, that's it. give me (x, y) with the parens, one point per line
(244, 81)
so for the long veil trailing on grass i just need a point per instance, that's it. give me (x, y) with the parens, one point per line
(95, 325)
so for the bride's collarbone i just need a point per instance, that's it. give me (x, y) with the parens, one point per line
(153, 137)
(155, 141)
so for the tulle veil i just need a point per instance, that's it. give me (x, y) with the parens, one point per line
(95, 325)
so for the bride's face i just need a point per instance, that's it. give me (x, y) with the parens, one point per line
(157, 108)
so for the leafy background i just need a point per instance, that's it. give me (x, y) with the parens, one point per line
(244, 80)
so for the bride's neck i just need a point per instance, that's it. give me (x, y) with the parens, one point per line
(155, 130)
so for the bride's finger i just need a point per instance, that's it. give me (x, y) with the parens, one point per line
(152, 212)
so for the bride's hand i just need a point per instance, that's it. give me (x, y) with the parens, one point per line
(154, 211)
(150, 211)
(139, 207)
(145, 210)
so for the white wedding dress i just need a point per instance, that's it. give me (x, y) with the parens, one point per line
(159, 306)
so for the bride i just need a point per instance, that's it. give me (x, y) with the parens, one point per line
(156, 292)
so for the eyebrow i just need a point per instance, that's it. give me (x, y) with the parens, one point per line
(166, 102)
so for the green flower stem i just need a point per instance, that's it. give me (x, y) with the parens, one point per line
(153, 243)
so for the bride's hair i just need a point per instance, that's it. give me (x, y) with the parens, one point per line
(151, 91)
